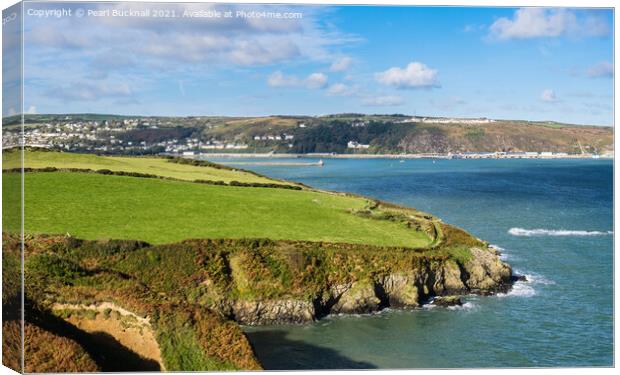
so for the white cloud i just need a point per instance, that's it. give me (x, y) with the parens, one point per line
(313, 81)
(383, 101)
(338, 89)
(262, 53)
(50, 36)
(415, 75)
(147, 53)
(540, 22)
(603, 69)
(278, 79)
(183, 43)
(316, 81)
(343, 89)
(341, 65)
(83, 91)
(548, 96)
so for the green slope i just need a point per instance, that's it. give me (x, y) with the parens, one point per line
(95, 206)
(158, 166)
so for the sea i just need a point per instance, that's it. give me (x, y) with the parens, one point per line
(551, 219)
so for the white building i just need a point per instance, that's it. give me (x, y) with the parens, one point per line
(356, 145)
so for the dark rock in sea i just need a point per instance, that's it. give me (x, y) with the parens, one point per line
(516, 278)
(448, 301)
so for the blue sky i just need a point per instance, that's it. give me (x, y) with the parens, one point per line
(531, 63)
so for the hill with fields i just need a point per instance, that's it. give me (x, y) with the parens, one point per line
(143, 263)
(401, 134)
(343, 133)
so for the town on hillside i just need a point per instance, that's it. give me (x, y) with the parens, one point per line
(346, 135)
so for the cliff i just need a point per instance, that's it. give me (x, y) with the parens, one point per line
(278, 282)
(187, 298)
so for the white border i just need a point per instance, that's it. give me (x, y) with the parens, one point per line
(483, 3)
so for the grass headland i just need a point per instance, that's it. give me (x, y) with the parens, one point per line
(178, 252)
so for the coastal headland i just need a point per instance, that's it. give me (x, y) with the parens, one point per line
(169, 256)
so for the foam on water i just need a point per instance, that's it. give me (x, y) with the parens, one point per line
(526, 288)
(555, 232)
(502, 253)
(519, 289)
(534, 278)
(465, 306)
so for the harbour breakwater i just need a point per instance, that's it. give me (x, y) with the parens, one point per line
(277, 164)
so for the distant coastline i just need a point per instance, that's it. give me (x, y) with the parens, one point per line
(468, 155)
(340, 136)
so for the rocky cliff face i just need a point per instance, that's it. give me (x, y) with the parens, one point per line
(484, 273)
(273, 312)
(196, 291)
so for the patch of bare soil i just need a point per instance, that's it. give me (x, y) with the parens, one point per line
(107, 319)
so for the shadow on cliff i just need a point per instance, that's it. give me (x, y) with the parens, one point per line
(277, 352)
(104, 349)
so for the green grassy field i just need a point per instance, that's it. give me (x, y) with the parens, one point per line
(95, 206)
(187, 288)
(157, 166)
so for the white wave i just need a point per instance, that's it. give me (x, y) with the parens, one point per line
(526, 288)
(465, 306)
(519, 289)
(555, 232)
(503, 255)
(534, 278)
(506, 257)
(498, 248)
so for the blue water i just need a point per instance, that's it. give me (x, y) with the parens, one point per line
(562, 317)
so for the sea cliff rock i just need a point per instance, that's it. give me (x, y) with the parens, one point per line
(401, 290)
(196, 291)
(439, 281)
(448, 301)
(486, 273)
(451, 276)
(273, 312)
(356, 298)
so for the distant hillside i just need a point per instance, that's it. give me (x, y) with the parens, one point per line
(342, 133)
(388, 134)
